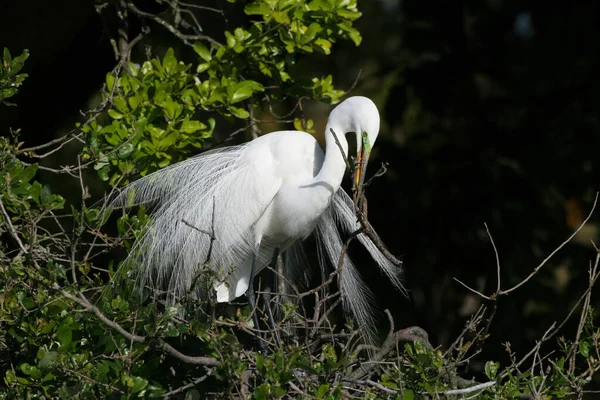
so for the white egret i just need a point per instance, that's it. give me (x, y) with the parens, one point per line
(242, 203)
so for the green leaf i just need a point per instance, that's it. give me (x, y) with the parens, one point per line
(191, 126)
(29, 172)
(172, 109)
(103, 173)
(140, 124)
(584, 348)
(49, 360)
(311, 32)
(64, 335)
(35, 191)
(355, 36)
(491, 369)
(133, 101)
(31, 370)
(202, 51)
(322, 391)
(211, 124)
(134, 68)
(46, 195)
(324, 45)
(239, 112)
(202, 67)
(230, 39)
(121, 104)
(257, 8)
(6, 55)
(115, 114)
(281, 17)
(262, 392)
(241, 93)
(260, 363)
(125, 150)
(110, 81)
(255, 86)
(169, 62)
(138, 384)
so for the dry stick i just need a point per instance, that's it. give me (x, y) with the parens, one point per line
(507, 291)
(410, 334)
(188, 386)
(318, 321)
(453, 392)
(348, 165)
(380, 172)
(171, 28)
(180, 21)
(536, 269)
(367, 229)
(78, 227)
(165, 347)
(246, 388)
(338, 271)
(471, 389)
(368, 232)
(190, 5)
(47, 144)
(13, 231)
(487, 229)
(481, 336)
(593, 272)
(469, 327)
(552, 330)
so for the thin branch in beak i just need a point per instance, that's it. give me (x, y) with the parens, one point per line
(341, 149)
(361, 168)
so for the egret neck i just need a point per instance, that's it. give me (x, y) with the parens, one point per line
(334, 165)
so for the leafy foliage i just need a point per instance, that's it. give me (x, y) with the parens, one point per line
(153, 123)
(157, 107)
(10, 79)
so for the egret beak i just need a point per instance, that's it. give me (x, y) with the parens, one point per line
(361, 168)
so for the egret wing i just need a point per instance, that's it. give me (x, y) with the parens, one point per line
(205, 209)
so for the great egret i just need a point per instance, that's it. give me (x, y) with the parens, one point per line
(240, 204)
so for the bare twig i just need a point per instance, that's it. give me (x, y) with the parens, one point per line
(13, 231)
(473, 290)
(593, 275)
(487, 229)
(337, 141)
(563, 244)
(468, 390)
(188, 386)
(171, 28)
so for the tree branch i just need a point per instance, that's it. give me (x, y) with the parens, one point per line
(171, 28)
(165, 347)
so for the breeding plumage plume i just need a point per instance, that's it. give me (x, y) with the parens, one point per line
(243, 202)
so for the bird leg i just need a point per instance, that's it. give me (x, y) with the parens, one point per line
(252, 298)
(267, 299)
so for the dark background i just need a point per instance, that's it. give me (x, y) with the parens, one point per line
(489, 115)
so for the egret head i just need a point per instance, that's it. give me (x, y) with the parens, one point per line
(358, 115)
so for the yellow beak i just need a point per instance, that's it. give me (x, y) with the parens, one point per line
(363, 159)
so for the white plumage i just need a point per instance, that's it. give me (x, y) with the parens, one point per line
(269, 193)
